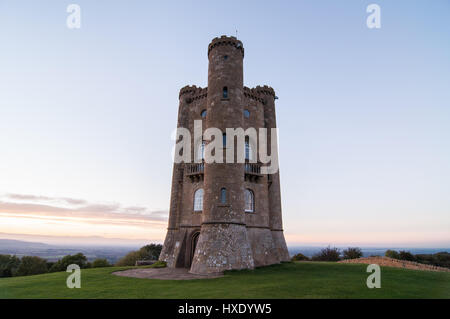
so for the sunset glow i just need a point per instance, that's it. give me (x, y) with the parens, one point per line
(86, 116)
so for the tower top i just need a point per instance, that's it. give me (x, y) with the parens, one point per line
(225, 40)
(267, 90)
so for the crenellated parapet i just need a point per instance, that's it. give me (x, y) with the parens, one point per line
(224, 40)
(192, 93)
(259, 93)
(265, 90)
(200, 94)
(188, 89)
(252, 94)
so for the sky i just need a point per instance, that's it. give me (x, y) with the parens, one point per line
(86, 115)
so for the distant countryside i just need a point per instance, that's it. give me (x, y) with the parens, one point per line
(21, 258)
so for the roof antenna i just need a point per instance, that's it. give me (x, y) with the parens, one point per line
(236, 33)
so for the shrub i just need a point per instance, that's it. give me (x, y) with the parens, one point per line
(299, 257)
(8, 265)
(392, 254)
(32, 265)
(441, 259)
(78, 259)
(100, 262)
(406, 255)
(327, 254)
(148, 252)
(50, 264)
(442, 256)
(352, 253)
(129, 259)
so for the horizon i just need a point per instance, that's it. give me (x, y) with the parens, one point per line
(98, 241)
(86, 117)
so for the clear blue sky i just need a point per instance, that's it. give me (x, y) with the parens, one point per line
(364, 114)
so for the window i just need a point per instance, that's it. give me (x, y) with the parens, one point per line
(201, 151)
(224, 140)
(249, 201)
(223, 195)
(203, 114)
(225, 93)
(198, 200)
(248, 150)
(246, 114)
(225, 57)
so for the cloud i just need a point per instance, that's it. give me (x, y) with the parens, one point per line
(74, 201)
(67, 209)
(27, 197)
(36, 198)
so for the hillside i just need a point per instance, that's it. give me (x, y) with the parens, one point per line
(54, 252)
(12, 244)
(289, 280)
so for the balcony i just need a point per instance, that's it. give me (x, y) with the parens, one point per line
(195, 171)
(252, 172)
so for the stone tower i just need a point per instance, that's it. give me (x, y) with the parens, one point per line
(224, 215)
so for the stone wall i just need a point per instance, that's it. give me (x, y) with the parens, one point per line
(391, 262)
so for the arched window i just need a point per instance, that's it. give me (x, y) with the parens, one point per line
(248, 150)
(203, 114)
(225, 92)
(223, 195)
(201, 151)
(198, 200)
(249, 201)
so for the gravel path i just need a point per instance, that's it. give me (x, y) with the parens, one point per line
(164, 274)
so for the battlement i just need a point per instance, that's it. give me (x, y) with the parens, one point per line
(266, 90)
(252, 94)
(193, 92)
(188, 89)
(224, 40)
(259, 93)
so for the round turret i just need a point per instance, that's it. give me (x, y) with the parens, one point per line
(226, 41)
(223, 242)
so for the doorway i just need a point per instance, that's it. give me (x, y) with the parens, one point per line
(194, 240)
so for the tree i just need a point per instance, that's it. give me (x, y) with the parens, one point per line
(129, 259)
(352, 253)
(442, 256)
(441, 259)
(32, 265)
(8, 265)
(148, 252)
(299, 257)
(406, 255)
(100, 262)
(391, 254)
(78, 259)
(327, 254)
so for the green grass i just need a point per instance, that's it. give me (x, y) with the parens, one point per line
(289, 280)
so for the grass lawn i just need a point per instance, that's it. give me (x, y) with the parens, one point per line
(288, 280)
